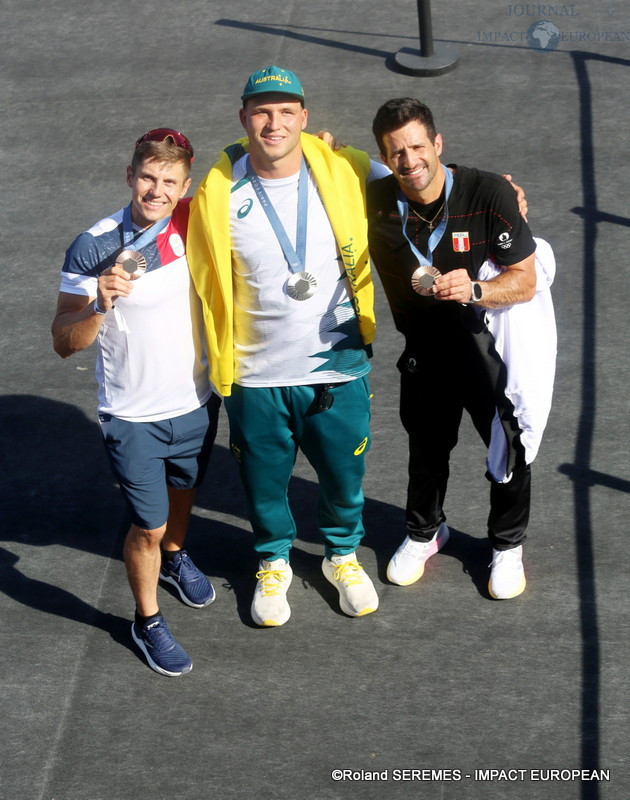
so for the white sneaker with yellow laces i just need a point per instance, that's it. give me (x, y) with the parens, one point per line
(357, 595)
(270, 606)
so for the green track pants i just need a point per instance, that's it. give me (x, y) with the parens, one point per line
(268, 425)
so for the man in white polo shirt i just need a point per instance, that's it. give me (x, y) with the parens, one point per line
(125, 284)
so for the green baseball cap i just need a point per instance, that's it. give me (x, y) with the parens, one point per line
(273, 79)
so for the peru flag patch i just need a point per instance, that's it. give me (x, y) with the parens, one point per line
(461, 242)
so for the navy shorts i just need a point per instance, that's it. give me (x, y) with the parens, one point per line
(148, 457)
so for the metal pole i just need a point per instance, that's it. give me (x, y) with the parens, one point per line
(426, 28)
(429, 60)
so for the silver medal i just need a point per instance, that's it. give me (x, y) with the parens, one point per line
(133, 262)
(301, 286)
(424, 278)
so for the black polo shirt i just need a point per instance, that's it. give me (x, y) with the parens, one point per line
(483, 222)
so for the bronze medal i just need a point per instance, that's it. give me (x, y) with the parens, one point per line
(133, 262)
(424, 278)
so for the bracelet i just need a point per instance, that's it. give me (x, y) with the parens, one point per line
(96, 309)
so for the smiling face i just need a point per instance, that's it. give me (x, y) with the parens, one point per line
(274, 123)
(156, 188)
(415, 161)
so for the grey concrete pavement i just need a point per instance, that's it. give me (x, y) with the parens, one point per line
(441, 677)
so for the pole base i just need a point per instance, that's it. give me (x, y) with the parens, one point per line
(444, 59)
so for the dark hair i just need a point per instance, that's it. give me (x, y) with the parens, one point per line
(398, 112)
(161, 151)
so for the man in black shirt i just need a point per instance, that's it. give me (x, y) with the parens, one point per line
(431, 229)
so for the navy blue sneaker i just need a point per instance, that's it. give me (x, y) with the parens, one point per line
(193, 586)
(162, 652)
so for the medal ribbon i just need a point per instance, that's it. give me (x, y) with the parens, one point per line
(434, 239)
(144, 237)
(295, 257)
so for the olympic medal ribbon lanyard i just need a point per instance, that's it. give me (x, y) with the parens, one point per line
(145, 237)
(138, 241)
(301, 284)
(434, 239)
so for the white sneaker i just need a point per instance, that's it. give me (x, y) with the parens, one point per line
(507, 576)
(270, 606)
(407, 564)
(357, 595)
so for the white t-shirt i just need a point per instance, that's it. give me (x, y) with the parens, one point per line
(151, 363)
(280, 341)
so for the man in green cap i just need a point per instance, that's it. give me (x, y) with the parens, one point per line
(277, 247)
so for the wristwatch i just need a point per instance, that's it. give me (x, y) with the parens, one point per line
(476, 292)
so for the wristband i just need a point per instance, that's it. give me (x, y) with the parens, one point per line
(96, 309)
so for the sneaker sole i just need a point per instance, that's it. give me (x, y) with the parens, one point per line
(413, 579)
(441, 541)
(270, 623)
(520, 590)
(360, 613)
(184, 599)
(155, 667)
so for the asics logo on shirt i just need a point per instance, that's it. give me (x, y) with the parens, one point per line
(245, 208)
